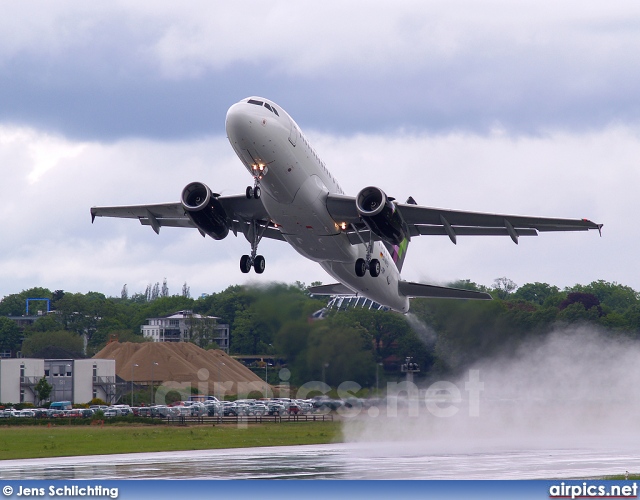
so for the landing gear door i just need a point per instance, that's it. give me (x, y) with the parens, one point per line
(293, 134)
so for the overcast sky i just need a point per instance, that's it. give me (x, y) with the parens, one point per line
(525, 107)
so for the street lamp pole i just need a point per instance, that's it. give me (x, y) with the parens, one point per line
(152, 364)
(215, 393)
(132, 366)
(266, 378)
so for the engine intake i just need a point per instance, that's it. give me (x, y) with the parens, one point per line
(205, 210)
(381, 216)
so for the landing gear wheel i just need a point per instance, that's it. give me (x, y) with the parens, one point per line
(361, 268)
(245, 264)
(258, 264)
(249, 192)
(257, 192)
(374, 268)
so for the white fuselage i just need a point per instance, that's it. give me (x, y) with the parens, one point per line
(295, 185)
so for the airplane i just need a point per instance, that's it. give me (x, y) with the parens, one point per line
(360, 241)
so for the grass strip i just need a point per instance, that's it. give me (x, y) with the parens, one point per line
(64, 441)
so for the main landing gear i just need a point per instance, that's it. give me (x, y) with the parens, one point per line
(373, 265)
(256, 261)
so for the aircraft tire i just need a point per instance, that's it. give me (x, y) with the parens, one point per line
(245, 264)
(374, 268)
(257, 192)
(259, 264)
(361, 268)
(249, 192)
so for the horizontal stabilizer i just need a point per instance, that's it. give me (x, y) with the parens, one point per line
(332, 289)
(410, 289)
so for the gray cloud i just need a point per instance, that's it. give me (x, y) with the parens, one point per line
(149, 71)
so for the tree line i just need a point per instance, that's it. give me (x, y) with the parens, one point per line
(442, 336)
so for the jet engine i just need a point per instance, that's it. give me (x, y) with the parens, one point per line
(205, 210)
(381, 215)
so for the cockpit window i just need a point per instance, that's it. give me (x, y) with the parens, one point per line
(266, 105)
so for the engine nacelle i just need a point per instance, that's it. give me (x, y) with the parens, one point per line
(204, 210)
(381, 215)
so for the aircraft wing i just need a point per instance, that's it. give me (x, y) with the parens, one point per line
(239, 210)
(453, 223)
(411, 289)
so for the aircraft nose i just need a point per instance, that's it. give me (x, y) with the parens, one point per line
(238, 120)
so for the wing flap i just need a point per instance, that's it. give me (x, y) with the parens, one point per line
(468, 231)
(410, 289)
(417, 215)
(168, 222)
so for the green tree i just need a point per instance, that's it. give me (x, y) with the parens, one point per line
(9, 335)
(613, 295)
(502, 287)
(43, 390)
(536, 292)
(346, 353)
(60, 344)
(15, 304)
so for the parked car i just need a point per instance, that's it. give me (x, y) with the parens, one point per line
(124, 409)
(276, 409)
(112, 412)
(293, 409)
(144, 411)
(256, 409)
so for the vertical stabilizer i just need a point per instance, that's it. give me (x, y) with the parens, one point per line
(398, 252)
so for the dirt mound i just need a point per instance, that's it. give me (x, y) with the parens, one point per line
(171, 363)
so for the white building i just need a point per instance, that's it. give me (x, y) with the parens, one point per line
(185, 326)
(75, 380)
(18, 377)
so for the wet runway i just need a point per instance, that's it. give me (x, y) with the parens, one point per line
(337, 461)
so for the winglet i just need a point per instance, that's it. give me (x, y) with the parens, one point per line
(93, 215)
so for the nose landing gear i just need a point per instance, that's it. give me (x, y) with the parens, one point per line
(258, 170)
